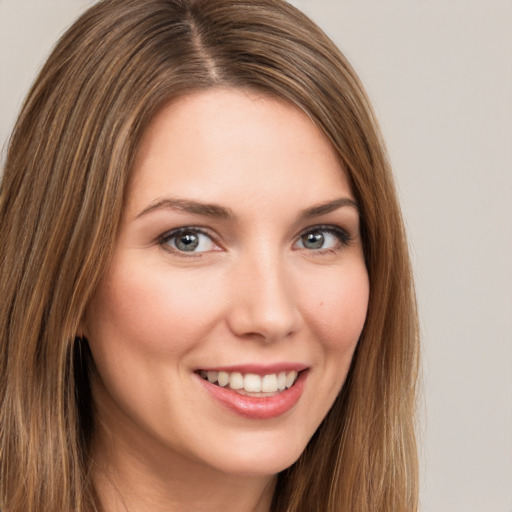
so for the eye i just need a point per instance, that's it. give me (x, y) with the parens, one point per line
(188, 240)
(323, 238)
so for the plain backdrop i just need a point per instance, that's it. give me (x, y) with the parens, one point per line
(439, 73)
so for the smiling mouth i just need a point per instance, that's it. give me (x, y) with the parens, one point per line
(251, 384)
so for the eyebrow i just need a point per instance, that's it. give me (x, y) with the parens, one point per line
(221, 212)
(328, 207)
(189, 206)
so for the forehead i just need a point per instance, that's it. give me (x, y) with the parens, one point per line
(215, 144)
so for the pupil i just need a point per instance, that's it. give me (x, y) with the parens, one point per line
(313, 240)
(187, 242)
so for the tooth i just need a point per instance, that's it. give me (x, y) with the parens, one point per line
(236, 381)
(252, 383)
(290, 379)
(212, 376)
(223, 379)
(281, 381)
(269, 383)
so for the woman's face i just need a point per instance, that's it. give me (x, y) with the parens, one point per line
(239, 261)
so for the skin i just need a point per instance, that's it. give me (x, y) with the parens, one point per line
(251, 293)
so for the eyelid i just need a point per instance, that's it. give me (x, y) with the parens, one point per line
(163, 239)
(344, 236)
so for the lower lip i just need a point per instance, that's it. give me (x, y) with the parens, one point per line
(257, 408)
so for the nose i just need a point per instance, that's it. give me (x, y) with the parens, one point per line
(264, 303)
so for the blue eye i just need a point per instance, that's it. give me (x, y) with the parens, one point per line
(323, 238)
(189, 240)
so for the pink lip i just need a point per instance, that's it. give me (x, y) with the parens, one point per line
(257, 408)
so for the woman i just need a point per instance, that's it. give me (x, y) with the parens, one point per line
(207, 300)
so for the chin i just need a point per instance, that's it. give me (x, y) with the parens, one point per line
(256, 458)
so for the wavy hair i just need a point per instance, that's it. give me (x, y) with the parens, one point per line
(61, 199)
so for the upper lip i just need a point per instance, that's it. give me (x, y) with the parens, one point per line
(258, 369)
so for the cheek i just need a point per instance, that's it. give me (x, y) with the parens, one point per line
(336, 316)
(336, 312)
(337, 309)
(155, 310)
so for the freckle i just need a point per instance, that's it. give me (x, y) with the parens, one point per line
(321, 303)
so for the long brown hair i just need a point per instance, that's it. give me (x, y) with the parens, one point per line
(61, 199)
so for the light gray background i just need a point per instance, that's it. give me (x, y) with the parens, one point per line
(439, 73)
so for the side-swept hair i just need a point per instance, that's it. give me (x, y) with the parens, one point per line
(61, 200)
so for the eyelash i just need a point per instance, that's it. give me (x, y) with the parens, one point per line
(164, 240)
(343, 237)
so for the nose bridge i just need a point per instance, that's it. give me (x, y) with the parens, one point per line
(265, 303)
